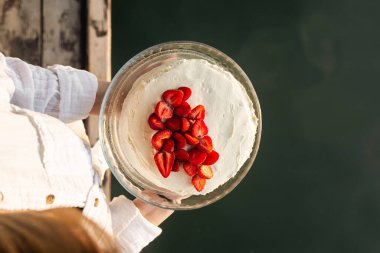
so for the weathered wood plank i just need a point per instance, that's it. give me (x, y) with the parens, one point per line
(20, 29)
(63, 33)
(99, 59)
(99, 49)
(99, 38)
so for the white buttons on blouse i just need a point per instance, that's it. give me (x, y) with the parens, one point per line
(50, 199)
(96, 202)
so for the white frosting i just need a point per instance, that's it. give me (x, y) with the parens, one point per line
(230, 118)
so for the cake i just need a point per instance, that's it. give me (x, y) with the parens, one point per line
(230, 119)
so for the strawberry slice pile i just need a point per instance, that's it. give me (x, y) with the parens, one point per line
(181, 139)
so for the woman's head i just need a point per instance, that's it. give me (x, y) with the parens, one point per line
(55, 230)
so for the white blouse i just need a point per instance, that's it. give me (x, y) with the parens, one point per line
(44, 164)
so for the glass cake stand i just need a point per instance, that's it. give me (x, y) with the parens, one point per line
(121, 84)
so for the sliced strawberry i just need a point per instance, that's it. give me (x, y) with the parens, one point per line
(163, 110)
(181, 155)
(155, 123)
(175, 167)
(173, 97)
(185, 125)
(198, 182)
(174, 123)
(189, 169)
(199, 129)
(169, 160)
(159, 137)
(159, 160)
(191, 140)
(180, 141)
(196, 156)
(183, 110)
(198, 112)
(205, 171)
(168, 145)
(205, 144)
(211, 158)
(164, 161)
(186, 92)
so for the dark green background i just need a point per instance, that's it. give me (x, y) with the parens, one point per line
(315, 65)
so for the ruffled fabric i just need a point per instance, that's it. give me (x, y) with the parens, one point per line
(135, 232)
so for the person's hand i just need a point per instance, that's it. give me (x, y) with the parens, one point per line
(154, 215)
(102, 87)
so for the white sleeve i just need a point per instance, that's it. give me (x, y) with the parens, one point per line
(7, 87)
(131, 229)
(60, 91)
